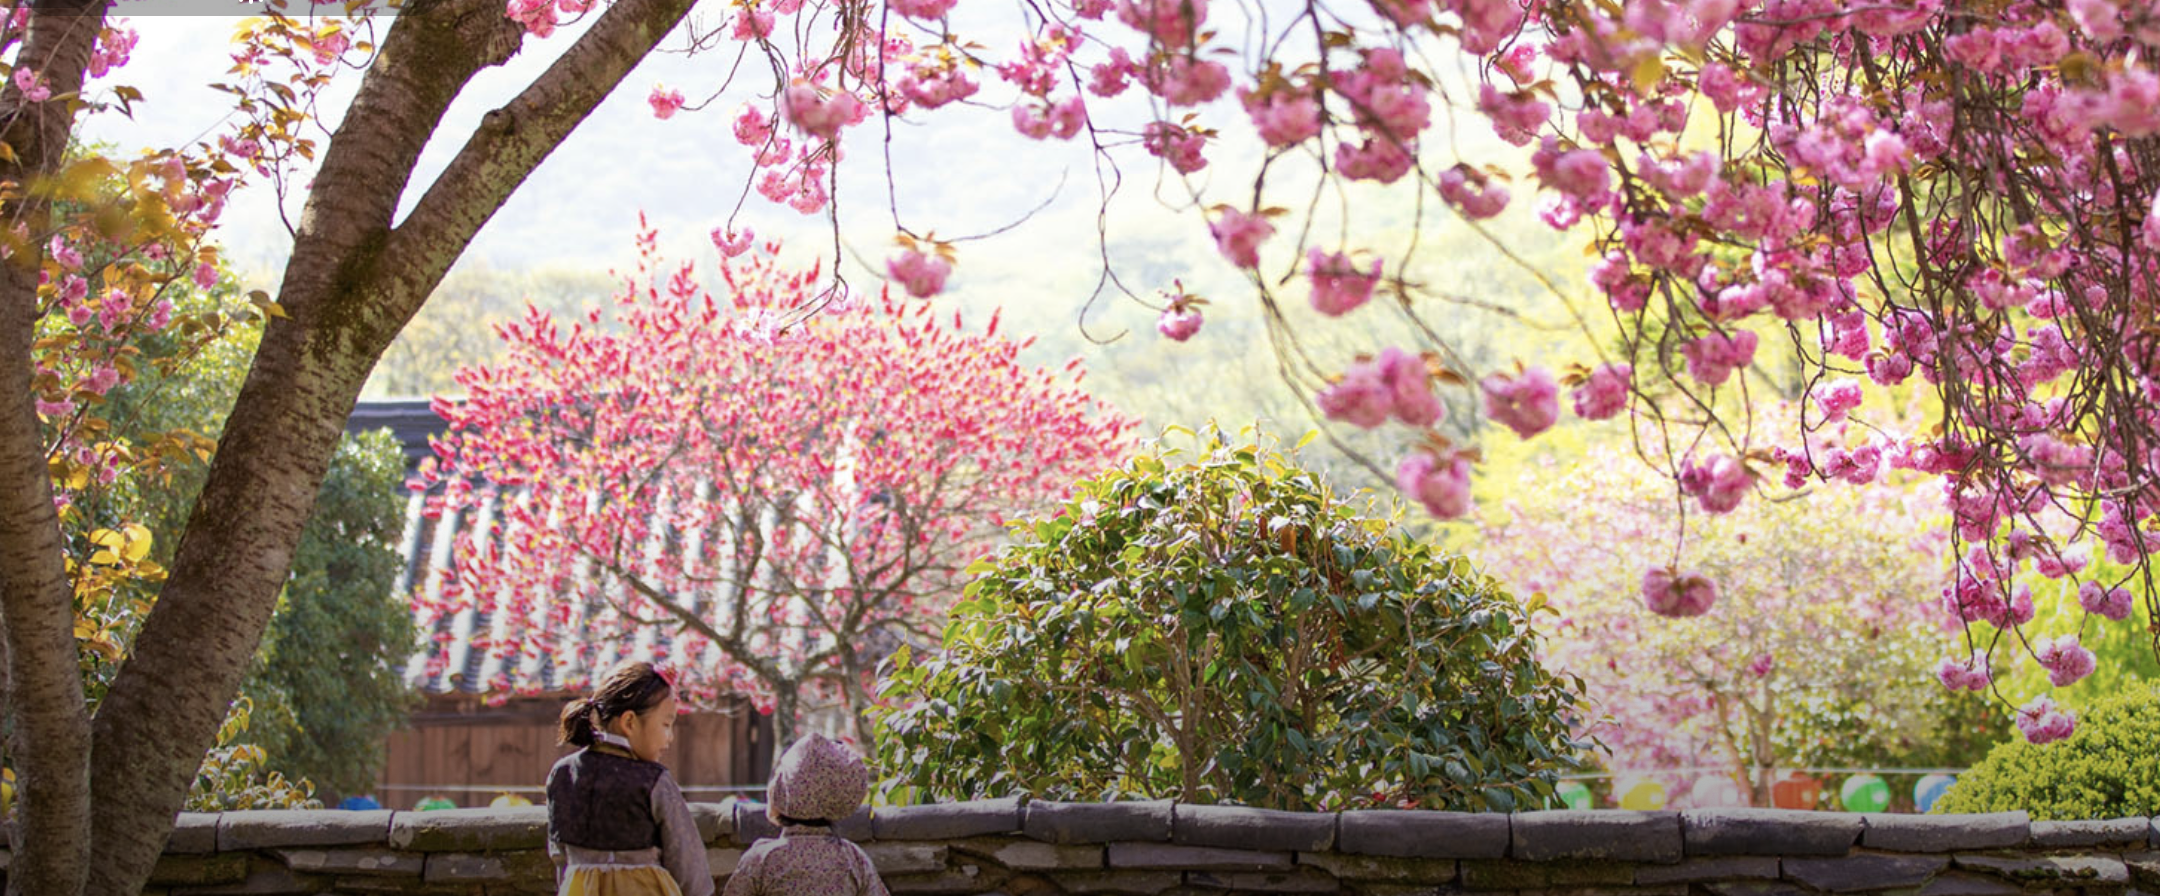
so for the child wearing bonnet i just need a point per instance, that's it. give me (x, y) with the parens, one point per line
(815, 784)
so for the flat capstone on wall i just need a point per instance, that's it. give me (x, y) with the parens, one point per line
(1166, 849)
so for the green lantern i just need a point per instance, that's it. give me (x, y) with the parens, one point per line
(1865, 793)
(1574, 795)
(433, 803)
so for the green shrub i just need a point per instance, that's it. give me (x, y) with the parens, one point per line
(2109, 768)
(1217, 626)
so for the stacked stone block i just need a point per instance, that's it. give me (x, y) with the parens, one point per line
(1011, 848)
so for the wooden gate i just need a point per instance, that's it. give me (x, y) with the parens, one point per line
(460, 748)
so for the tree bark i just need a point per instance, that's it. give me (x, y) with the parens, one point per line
(48, 730)
(787, 702)
(352, 282)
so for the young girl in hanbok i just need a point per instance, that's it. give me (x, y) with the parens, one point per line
(617, 823)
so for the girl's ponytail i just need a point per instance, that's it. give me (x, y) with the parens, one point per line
(629, 687)
(577, 723)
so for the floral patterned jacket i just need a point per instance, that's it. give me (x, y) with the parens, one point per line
(816, 782)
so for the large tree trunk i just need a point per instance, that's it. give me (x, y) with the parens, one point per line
(352, 282)
(49, 730)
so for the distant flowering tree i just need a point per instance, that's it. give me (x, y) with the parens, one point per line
(1818, 648)
(782, 491)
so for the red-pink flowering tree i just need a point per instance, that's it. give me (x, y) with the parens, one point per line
(781, 492)
(1819, 651)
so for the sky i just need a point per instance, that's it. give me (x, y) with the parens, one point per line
(968, 174)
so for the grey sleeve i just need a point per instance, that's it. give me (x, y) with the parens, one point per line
(562, 861)
(682, 851)
(554, 844)
(873, 885)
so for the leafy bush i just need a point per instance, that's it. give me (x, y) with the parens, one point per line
(2105, 770)
(1218, 626)
(237, 775)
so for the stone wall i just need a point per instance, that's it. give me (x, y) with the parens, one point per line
(1161, 849)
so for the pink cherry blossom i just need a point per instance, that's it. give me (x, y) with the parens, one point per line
(1972, 674)
(1677, 595)
(1472, 193)
(1284, 117)
(32, 86)
(1184, 149)
(730, 243)
(1719, 483)
(1378, 159)
(1185, 80)
(1604, 393)
(1338, 286)
(2112, 603)
(2042, 722)
(1172, 23)
(921, 275)
(752, 126)
(1397, 383)
(1582, 173)
(1109, 78)
(2066, 660)
(925, 10)
(1528, 403)
(1238, 235)
(1516, 116)
(1361, 398)
(1712, 357)
(664, 102)
(752, 24)
(932, 86)
(1179, 321)
(818, 115)
(1440, 484)
(206, 275)
(69, 259)
(102, 379)
(1838, 398)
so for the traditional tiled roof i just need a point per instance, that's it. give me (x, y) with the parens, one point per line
(454, 657)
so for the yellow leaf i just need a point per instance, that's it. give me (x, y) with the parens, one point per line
(1647, 73)
(107, 538)
(106, 648)
(138, 542)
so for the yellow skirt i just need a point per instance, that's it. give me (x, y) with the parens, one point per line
(627, 880)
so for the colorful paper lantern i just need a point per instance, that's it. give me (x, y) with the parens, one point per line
(430, 804)
(508, 800)
(1575, 795)
(1797, 791)
(359, 804)
(1864, 793)
(7, 790)
(1930, 789)
(1715, 791)
(1641, 793)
